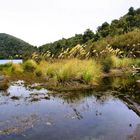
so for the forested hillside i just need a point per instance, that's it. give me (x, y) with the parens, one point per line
(123, 33)
(12, 47)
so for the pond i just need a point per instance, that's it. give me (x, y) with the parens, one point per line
(3, 61)
(106, 113)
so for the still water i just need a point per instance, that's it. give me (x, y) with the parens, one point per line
(106, 113)
(13, 61)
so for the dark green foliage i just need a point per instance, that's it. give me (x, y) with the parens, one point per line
(104, 30)
(131, 11)
(121, 33)
(88, 35)
(12, 47)
(57, 46)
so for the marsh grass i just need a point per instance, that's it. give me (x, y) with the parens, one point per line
(16, 68)
(73, 69)
(29, 66)
(125, 62)
(65, 71)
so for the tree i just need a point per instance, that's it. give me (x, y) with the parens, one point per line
(88, 35)
(104, 29)
(131, 11)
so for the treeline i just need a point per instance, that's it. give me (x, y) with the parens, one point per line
(14, 48)
(122, 34)
(107, 33)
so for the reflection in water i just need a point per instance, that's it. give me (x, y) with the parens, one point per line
(136, 134)
(110, 112)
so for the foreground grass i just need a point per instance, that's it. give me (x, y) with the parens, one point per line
(67, 72)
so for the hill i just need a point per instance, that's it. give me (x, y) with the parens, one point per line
(12, 47)
(124, 32)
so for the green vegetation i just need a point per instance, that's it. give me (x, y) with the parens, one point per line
(123, 34)
(82, 59)
(13, 48)
(69, 72)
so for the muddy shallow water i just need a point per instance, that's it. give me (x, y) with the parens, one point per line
(107, 113)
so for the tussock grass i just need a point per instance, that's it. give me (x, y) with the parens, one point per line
(122, 62)
(29, 66)
(16, 68)
(66, 71)
(74, 69)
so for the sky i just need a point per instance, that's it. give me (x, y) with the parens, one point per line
(42, 21)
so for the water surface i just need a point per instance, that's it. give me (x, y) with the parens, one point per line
(101, 114)
(13, 61)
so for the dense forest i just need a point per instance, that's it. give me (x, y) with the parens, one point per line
(123, 34)
(12, 47)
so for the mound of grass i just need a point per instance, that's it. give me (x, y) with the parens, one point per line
(29, 66)
(16, 68)
(74, 69)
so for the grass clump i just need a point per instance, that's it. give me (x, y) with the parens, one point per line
(74, 70)
(122, 62)
(38, 72)
(107, 64)
(29, 66)
(5, 66)
(16, 68)
(137, 62)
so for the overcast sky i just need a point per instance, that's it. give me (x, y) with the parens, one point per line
(42, 21)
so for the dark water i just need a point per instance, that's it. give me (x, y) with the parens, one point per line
(106, 113)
